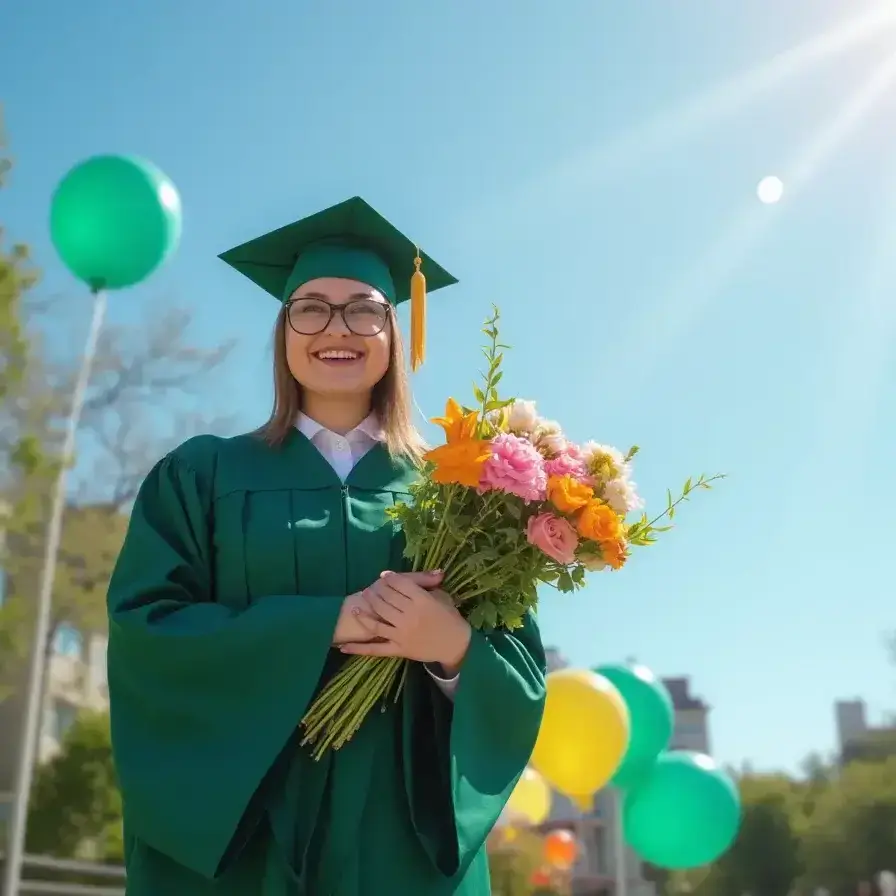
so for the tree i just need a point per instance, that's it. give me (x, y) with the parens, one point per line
(20, 455)
(875, 746)
(76, 805)
(852, 835)
(765, 859)
(513, 859)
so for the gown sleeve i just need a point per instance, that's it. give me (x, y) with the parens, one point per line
(204, 699)
(462, 758)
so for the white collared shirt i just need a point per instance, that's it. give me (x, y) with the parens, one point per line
(342, 453)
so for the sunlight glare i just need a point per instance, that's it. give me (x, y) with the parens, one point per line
(770, 190)
(667, 320)
(598, 163)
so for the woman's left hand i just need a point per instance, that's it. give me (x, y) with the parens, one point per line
(414, 623)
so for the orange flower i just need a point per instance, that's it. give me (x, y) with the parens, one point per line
(458, 426)
(567, 494)
(614, 553)
(598, 522)
(459, 462)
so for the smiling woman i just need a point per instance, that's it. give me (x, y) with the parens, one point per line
(243, 574)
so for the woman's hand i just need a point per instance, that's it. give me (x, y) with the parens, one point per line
(354, 621)
(411, 618)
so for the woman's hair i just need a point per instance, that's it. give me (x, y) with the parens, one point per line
(390, 401)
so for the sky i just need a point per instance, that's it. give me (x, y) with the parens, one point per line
(590, 167)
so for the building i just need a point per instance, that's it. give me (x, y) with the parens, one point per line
(595, 872)
(856, 739)
(691, 717)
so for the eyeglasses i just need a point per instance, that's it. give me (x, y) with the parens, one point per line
(363, 317)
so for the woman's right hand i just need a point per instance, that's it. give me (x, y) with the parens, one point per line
(350, 625)
(357, 623)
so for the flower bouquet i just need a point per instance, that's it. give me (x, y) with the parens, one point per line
(506, 504)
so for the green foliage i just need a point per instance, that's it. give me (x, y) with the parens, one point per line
(644, 531)
(91, 539)
(492, 571)
(513, 864)
(75, 802)
(766, 856)
(876, 746)
(830, 830)
(490, 403)
(851, 835)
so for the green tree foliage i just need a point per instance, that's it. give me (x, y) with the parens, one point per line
(513, 861)
(830, 830)
(876, 746)
(851, 836)
(75, 805)
(766, 856)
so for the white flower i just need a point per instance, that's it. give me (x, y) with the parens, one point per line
(549, 438)
(622, 495)
(522, 417)
(604, 461)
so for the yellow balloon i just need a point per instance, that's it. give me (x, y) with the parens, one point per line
(531, 798)
(584, 733)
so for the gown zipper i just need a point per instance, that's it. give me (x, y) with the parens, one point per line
(344, 491)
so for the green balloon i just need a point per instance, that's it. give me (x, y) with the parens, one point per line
(685, 813)
(652, 719)
(114, 220)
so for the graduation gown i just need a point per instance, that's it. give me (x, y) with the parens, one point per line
(222, 610)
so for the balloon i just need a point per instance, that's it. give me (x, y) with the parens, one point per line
(685, 813)
(584, 732)
(561, 849)
(114, 220)
(652, 718)
(531, 798)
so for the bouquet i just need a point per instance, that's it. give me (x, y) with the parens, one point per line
(508, 503)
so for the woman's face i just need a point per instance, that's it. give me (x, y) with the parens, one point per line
(344, 356)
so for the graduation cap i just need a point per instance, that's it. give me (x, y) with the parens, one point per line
(349, 240)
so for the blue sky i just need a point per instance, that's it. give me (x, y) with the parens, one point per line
(591, 167)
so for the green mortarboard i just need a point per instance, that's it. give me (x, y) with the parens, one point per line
(349, 240)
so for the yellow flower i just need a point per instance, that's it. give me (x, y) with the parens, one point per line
(459, 462)
(567, 494)
(598, 522)
(458, 426)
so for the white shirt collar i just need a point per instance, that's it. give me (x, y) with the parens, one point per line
(369, 426)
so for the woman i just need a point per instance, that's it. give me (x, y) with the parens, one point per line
(252, 565)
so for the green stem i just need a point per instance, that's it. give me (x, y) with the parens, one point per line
(435, 547)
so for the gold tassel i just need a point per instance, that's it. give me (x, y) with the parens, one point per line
(418, 314)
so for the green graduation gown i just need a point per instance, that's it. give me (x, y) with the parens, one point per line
(222, 610)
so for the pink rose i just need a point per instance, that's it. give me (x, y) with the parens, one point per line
(553, 536)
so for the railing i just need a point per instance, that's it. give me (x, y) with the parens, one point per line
(69, 877)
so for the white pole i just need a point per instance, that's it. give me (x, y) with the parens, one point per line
(28, 748)
(619, 861)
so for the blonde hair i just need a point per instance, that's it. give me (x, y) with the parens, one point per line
(390, 401)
